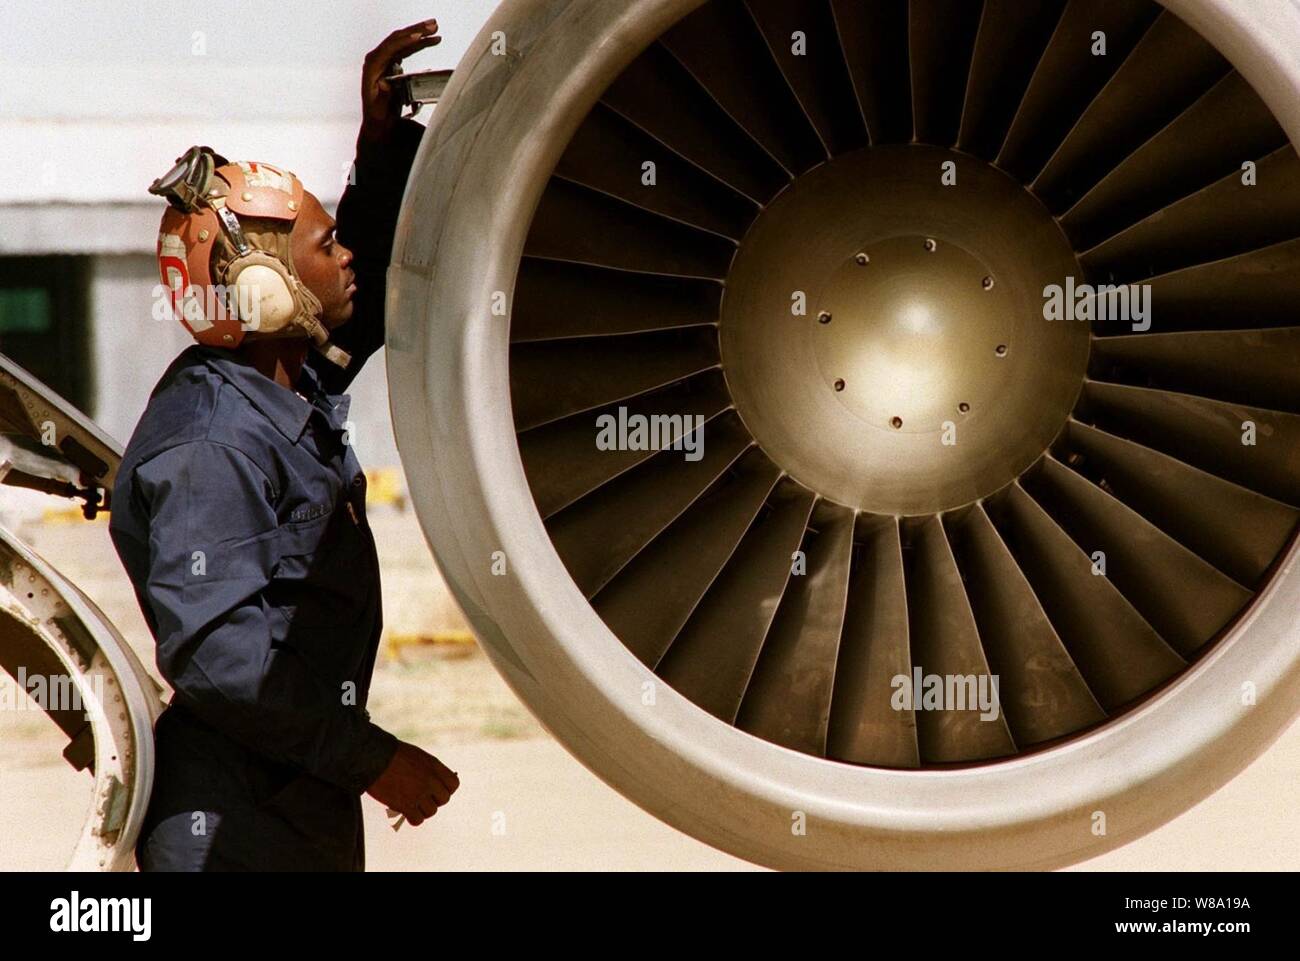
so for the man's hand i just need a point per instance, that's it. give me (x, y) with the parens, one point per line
(415, 784)
(380, 106)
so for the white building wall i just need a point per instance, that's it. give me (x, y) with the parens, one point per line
(129, 350)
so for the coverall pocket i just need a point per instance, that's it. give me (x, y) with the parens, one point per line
(316, 581)
(323, 591)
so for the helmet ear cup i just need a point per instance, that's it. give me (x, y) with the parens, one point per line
(261, 291)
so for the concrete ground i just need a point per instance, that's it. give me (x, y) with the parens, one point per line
(559, 816)
(524, 802)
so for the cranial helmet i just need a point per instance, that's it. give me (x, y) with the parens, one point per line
(224, 253)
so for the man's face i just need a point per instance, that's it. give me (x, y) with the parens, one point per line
(322, 262)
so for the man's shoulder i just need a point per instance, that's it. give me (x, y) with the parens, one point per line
(192, 403)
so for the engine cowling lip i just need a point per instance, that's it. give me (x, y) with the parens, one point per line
(447, 365)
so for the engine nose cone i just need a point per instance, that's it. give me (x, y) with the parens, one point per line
(909, 340)
(883, 334)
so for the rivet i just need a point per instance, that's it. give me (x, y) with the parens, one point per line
(228, 338)
(293, 205)
(862, 260)
(823, 318)
(931, 245)
(247, 196)
(1000, 350)
(212, 192)
(896, 423)
(964, 407)
(203, 235)
(839, 385)
(988, 283)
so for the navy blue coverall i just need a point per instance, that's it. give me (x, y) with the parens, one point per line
(239, 515)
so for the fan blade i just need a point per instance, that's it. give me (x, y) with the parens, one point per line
(941, 42)
(616, 234)
(789, 696)
(599, 534)
(650, 600)
(555, 300)
(1069, 76)
(613, 156)
(1250, 446)
(865, 728)
(554, 379)
(1185, 599)
(1119, 654)
(1236, 530)
(1012, 36)
(946, 646)
(1170, 69)
(803, 41)
(1257, 288)
(1042, 691)
(874, 39)
(1226, 219)
(723, 50)
(565, 460)
(660, 96)
(1257, 367)
(711, 661)
(1206, 142)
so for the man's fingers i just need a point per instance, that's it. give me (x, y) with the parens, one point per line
(402, 35)
(427, 807)
(409, 48)
(446, 775)
(439, 792)
(402, 43)
(429, 26)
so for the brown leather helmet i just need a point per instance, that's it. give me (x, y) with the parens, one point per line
(224, 253)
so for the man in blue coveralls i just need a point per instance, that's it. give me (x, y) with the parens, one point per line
(239, 512)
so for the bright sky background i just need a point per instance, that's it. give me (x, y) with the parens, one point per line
(97, 98)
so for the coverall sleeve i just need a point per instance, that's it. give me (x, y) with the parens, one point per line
(366, 225)
(212, 537)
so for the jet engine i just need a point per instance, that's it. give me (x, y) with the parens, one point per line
(867, 432)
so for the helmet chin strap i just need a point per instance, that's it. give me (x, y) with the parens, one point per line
(333, 353)
(307, 318)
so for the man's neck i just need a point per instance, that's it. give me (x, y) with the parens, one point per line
(280, 359)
